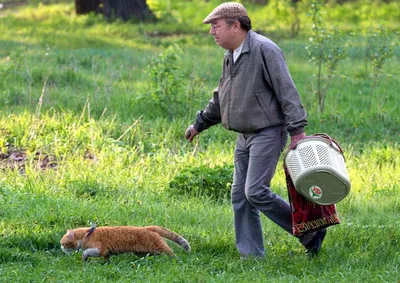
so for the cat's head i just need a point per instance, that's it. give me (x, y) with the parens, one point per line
(70, 243)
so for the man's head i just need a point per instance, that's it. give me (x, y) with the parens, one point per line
(229, 24)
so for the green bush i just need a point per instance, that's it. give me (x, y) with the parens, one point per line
(203, 181)
(165, 83)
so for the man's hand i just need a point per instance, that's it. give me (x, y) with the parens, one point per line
(190, 133)
(295, 139)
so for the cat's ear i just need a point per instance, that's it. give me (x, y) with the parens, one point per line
(70, 234)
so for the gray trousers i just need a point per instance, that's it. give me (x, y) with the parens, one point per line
(256, 157)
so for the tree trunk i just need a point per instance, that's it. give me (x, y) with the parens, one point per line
(124, 9)
(86, 6)
(295, 27)
(259, 2)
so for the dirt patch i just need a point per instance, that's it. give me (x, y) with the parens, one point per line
(8, 4)
(16, 159)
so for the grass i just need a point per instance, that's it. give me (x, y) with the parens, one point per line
(78, 146)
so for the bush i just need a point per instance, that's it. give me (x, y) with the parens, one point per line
(165, 83)
(213, 182)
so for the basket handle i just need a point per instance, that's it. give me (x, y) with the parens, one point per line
(331, 140)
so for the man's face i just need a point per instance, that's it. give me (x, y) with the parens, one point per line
(222, 32)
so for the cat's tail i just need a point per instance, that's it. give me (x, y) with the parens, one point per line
(171, 236)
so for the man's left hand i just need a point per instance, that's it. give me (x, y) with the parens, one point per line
(190, 133)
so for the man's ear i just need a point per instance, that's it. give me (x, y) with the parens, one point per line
(236, 25)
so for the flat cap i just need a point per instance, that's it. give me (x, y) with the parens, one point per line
(226, 10)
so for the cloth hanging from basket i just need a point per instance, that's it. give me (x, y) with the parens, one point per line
(308, 217)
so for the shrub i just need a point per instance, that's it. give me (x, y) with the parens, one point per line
(165, 87)
(213, 182)
(327, 49)
(378, 52)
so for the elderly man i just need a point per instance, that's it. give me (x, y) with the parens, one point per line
(257, 98)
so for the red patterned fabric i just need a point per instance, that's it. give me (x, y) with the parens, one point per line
(307, 216)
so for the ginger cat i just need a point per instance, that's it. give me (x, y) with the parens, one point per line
(108, 240)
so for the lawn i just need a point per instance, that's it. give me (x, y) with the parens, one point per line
(86, 137)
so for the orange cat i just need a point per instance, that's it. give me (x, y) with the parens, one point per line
(106, 241)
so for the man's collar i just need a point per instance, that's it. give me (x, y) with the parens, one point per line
(245, 44)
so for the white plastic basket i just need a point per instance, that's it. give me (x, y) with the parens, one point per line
(318, 170)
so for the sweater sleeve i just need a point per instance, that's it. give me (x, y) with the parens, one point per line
(277, 75)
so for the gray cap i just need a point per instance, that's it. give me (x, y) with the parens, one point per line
(226, 10)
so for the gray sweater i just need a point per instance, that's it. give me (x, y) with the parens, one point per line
(255, 92)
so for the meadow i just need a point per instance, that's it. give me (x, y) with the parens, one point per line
(92, 118)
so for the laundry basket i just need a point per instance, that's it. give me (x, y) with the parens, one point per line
(318, 170)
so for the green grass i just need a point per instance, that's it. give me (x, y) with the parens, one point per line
(70, 92)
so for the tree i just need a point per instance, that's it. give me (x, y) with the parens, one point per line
(124, 9)
(295, 27)
(261, 2)
(84, 7)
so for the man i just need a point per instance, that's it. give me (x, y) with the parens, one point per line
(257, 98)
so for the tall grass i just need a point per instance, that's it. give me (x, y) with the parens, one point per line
(86, 149)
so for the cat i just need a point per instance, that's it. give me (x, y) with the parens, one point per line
(113, 240)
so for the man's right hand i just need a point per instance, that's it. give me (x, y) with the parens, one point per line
(190, 133)
(295, 139)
